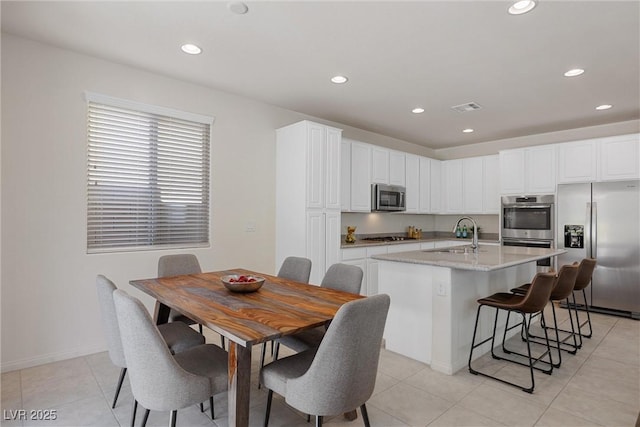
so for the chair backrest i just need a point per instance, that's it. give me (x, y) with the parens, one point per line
(157, 381)
(343, 373)
(343, 277)
(585, 272)
(177, 265)
(538, 293)
(296, 268)
(105, 288)
(565, 282)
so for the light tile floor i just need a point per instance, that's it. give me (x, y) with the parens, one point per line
(599, 386)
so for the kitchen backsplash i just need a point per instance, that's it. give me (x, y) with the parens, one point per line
(374, 223)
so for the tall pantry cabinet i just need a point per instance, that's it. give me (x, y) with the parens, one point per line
(308, 195)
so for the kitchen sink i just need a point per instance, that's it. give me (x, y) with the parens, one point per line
(454, 250)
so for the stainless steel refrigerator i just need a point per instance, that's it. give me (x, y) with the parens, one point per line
(602, 220)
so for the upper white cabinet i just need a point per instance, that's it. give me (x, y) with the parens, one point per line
(577, 162)
(436, 186)
(356, 175)
(619, 157)
(379, 165)
(412, 174)
(397, 168)
(453, 186)
(308, 194)
(528, 170)
(491, 184)
(424, 197)
(472, 185)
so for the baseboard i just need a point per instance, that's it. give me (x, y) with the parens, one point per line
(48, 358)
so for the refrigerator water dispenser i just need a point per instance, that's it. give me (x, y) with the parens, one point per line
(574, 236)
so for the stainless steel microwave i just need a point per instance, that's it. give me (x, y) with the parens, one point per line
(387, 198)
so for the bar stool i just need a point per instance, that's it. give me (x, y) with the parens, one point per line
(585, 273)
(532, 302)
(562, 289)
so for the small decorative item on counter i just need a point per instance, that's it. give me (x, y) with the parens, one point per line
(464, 231)
(411, 231)
(458, 232)
(351, 237)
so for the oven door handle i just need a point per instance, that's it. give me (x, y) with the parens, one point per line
(535, 242)
(528, 206)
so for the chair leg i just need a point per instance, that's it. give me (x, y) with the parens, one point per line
(276, 351)
(200, 328)
(201, 407)
(588, 322)
(145, 418)
(268, 411)
(318, 420)
(133, 413)
(223, 343)
(172, 418)
(213, 415)
(365, 415)
(123, 372)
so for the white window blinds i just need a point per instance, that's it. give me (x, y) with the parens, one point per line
(148, 177)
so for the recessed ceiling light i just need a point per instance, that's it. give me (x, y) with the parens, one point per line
(522, 6)
(418, 110)
(191, 49)
(339, 79)
(467, 130)
(574, 72)
(603, 107)
(238, 7)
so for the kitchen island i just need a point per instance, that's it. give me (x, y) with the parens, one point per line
(434, 293)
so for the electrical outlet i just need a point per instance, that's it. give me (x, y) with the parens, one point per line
(250, 227)
(442, 290)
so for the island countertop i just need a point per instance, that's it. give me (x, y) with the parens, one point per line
(488, 257)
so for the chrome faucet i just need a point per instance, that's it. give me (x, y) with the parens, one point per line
(474, 239)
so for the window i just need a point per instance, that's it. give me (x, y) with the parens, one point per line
(148, 176)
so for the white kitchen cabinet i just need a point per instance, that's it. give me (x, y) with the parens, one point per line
(541, 169)
(413, 184)
(379, 165)
(436, 186)
(345, 175)
(397, 168)
(372, 269)
(404, 247)
(577, 162)
(528, 170)
(619, 157)
(491, 185)
(308, 195)
(424, 176)
(453, 186)
(472, 185)
(359, 179)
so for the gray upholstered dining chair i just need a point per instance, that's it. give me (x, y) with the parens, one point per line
(177, 336)
(161, 381)
(343, 277)
(340, 375)
(293, 268)
(177, 265)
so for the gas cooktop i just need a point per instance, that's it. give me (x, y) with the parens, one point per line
(387, 238)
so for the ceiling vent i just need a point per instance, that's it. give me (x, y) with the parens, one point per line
(470, 106)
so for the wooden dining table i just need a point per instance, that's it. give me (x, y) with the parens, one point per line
(280, 307)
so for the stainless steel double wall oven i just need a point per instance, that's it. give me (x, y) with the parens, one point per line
(529, 221)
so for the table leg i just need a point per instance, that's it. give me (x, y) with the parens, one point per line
(161, 313)
(239, 384)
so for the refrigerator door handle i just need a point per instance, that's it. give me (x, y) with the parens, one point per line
(594, 230)
(587, 231)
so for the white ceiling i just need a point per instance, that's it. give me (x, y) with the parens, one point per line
(397, 55)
